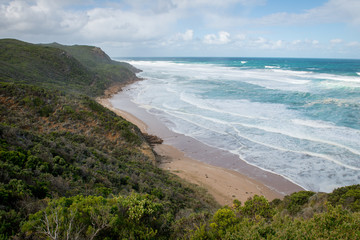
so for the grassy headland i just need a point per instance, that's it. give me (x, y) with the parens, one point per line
(72, 169)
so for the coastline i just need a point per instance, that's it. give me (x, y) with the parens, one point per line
(198, 163)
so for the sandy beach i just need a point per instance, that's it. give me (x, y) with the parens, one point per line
(200, 164)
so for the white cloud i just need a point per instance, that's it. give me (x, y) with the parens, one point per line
(333, 11)
(240, 37)
(222, 38)
(353, 44)
(344, 11)
(307, 43)
(36, 17)
(217, 3)
(154, 6)
(315, 42)
(115, 24)
(336, 41)
(52, 18)
(160, 24)
(179, 38)
(263, 43)
(186, 36)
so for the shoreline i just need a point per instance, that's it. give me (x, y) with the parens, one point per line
(200, 164)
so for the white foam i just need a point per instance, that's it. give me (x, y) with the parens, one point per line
(305, 137)
(322, 156)
(313, 153)
(215, 107)
(313, 123)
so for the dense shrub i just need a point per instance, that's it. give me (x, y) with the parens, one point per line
(294, 202)
(348, 197)
(95, 217)
(334, 223)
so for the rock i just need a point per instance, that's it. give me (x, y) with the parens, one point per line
(152, 139)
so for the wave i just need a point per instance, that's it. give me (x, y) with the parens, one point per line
(288, 173)
(268, 130)
(333, 77)
(271, 67)
(238, 110)
(318, 155)
(313, 123)
(304, 137)
(255, 75)
(198, 103)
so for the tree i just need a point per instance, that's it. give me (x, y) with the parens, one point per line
(89, 217)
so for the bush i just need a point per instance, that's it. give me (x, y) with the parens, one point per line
(257, 206)
(94, 217)
(294, 202)
(348, 197)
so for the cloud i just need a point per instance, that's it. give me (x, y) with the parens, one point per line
(222, 38)
(263, 43)
(171, 24)
(333, 11)
(36, 17)
(216, 3)
(353, 44)
(186, 36)
(54, 19)
(336, 41)
(115, 24)
(154, 6)
(305, 43)
(179, 39)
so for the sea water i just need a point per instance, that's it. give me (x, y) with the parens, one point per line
(299, 118)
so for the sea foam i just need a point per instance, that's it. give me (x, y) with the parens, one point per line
(272, 116)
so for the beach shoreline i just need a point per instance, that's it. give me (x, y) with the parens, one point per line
(198, 163)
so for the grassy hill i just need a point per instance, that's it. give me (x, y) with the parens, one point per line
(77, 69)
(72, 169)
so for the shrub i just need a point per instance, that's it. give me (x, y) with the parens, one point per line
(348, 197)
(257, 206)
(94, 217)
(294, 202)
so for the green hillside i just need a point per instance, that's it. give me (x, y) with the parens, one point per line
(78, 69)
(72, 169)
(56, 141)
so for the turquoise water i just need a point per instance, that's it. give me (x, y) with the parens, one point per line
(299, 118)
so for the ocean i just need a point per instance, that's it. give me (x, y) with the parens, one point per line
(299, 118)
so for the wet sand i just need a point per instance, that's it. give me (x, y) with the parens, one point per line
(223, 174)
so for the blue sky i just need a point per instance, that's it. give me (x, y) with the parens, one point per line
(234, 28)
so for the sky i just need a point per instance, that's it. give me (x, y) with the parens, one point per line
(190, 28)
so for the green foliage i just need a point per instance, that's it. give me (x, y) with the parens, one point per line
(334, 223)
(79, 148)
(74, 69)
(294, 202)
(224, 220)
(256, 206)
(7, 220)
(93, 217)
(348, 197)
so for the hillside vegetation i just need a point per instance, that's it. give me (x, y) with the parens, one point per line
(72, 69)
(72, 169)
